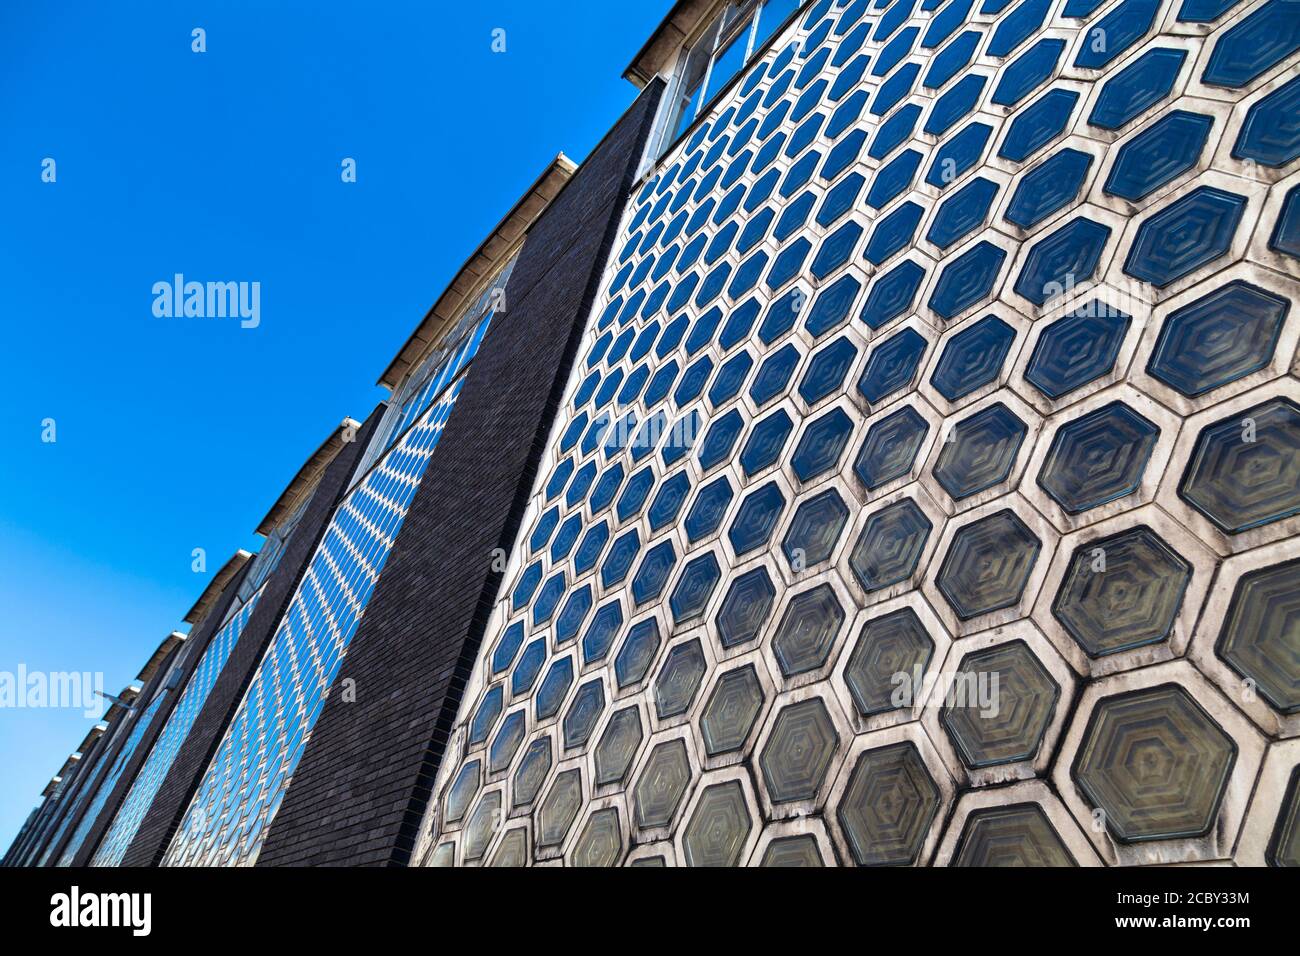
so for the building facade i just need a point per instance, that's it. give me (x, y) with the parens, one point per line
(884, 449)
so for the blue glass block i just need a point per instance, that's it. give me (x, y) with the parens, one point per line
(1029, 71)
(619, 560)
(812, 68)
(756, 519)
(1219, 338)
(894, 51)
(712, 286)
(694, 588)
(953, 15)
(846, 114)
(766, 442)
(973, 358)
(593, 543)
(1162, 152)
(827, 371)
(1139, 86)
(653, 573)
(611, 384)
(1066, 258)
(507, 647)
(1077, 349)
(1185, 235)
(672, 336)
(648, 435)
(1048, 187)
(755, 230)
(529, 666)
(720, 438)
(1204, 11)
(800, 140)
(980, 452)
(631, 389)
(822, 444)
(1116, 32)
(895, 88)
(849, 46)
(951, 60)
(693, 381)
(575, 611)
(1018, 26)
(893, 179)
(542, 533)
(1286, 234)
(637, 653)
(892, 365)
(635, 493)
(1271, 133)
(550, 695)
(739, 323)
(771, 123)
(721, 243)
(507, 742)
(747, 275)
(774, 375)
(573, 432)
(1239, 484)
(836, 249)
(899, 12)
(602, 496)
(731, 377)
(1098, 458)
(788, 263)
(1254, 45)
(661, 384)
(586, 390)
(794, 216)
(762, 189)
(957, 103)
(849, 77)
(892, 294)
(690, 255)
(958, 154)
(566, 538)
(893, 233)
(832, 306)
(889, 451)
(706, 512)
(668, 501)
(894, 131)
(815, 530)
(962, 212)
(1038, 124)
(844, 154)
(619, 435)
(967, 280)
(528, 582)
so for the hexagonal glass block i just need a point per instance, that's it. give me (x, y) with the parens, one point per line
(1219, 338)
(617, 746)
(1284, 846)
(1260, 638)
(766, 442)
(601, 841)
(890, 546)
(507, 741)
(653, 573)
(1098, 458)
(822, 444)
(1122, 592)
(891, 656)
(529, 666)
(669, 500)
(827, 371)
(718, 828)
(973, 358)
(1253, 45)
(892, 365)
(481, 825)
(1069, 256)
(1048, 187)
(799, 850)
(890, 448)
(745, 608)
(756, 518)
(444, 855)
(988, 565)
(588, 704)
(695, 587)
(559, 809)
(707, 512)
(661, 785)
(532, 772)
(999, 706)
(979, 452)
(461, 792)
(1077, 349)
(1133, 90)
(679, 679)
(513, 849)
(620, 559)
(798, 751)
(1159, 154)
(574, 613)
(807, 631)
(1245, 470)
(731, 711)
(1187, 234)
(1156, 763)
(1019, 835)
(888, 806)
(817, 526)
(511, 638)
(554, 687)
(601, 632)
(486, 715)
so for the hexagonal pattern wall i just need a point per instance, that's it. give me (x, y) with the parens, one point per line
(928, 483)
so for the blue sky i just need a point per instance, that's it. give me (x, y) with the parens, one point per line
(175, 434)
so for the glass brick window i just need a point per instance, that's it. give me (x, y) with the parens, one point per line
(129, 816)
(729, 42)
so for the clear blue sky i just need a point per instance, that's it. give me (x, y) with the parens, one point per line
(174, 434)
